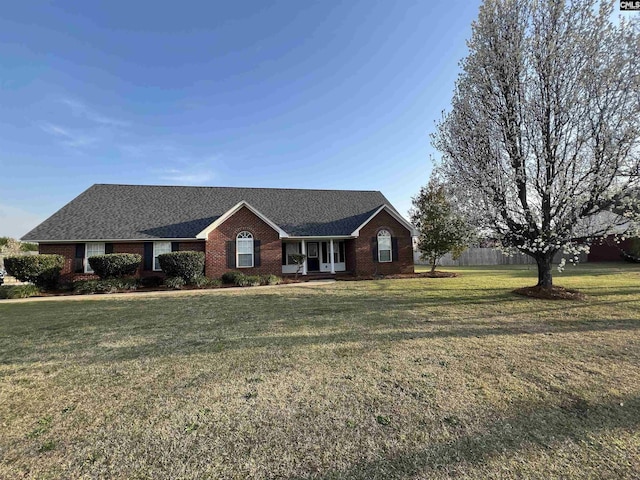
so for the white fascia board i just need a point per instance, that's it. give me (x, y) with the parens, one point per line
(222, 218)
(390, 211)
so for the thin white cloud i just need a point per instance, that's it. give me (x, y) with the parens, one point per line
(187, 172)
(77, 107)
(186, 177)
(82, 110)
(153, 151)
(68, 137)
(181, 166)
(15, 222)
(108, 121)
(174, 164)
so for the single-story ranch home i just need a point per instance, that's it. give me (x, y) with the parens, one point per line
(255, 230)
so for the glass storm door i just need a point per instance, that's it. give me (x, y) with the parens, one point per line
(313, 258)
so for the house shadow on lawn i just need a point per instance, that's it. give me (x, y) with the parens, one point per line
(203, 343)
(366, 321)
(574, 420)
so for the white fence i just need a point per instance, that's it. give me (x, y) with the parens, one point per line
(485, 256)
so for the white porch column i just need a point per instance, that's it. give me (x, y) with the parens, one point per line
(333, 266)
(304, 252)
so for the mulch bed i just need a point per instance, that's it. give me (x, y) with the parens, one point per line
(162, 288)
(553, 293)
(438, 274)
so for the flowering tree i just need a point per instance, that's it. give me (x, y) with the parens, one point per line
(541, 143)
(10, 246)
(441, 229)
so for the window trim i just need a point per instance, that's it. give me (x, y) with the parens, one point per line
(385, 234)
(246, 234)
(87, 267)
(298, 251)
(155, 255)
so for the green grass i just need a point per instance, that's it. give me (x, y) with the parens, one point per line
(418, 378)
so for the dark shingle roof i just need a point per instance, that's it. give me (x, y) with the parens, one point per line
(113, 212)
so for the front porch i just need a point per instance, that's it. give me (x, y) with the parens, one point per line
(323, 255)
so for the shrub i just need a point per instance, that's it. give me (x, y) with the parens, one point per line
(115, 265)
(175, 282)
(186, 265)
(201, 281)
(19, 291)
(232, 278)
(270, 279)
(249, 281)
(111, 285)
(152, 281)
(41, 270)
(84, 287)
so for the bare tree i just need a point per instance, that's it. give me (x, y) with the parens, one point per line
(541, 143)
(298, 259)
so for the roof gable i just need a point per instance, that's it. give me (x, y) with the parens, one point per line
(233, 210)
(391, 212)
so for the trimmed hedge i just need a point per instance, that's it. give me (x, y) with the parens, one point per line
(187, 264)
(115, 265)
(41, 270)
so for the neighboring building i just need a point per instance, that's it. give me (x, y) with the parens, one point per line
(607, 250)
(250, 229)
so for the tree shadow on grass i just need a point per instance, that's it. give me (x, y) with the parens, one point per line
(574, 420)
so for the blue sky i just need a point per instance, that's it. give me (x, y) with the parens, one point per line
(298, 94)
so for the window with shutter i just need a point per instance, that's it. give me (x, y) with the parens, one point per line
(244, 250)
(158, 249)
(384, 246)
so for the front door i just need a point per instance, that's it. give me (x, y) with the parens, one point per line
(313, 260)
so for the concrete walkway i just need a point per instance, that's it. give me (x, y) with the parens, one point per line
(164, 293)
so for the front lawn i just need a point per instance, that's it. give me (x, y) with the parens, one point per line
(413, 378)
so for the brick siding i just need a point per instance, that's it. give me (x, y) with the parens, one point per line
(365, 264)
(68, 251)
(244, 220)
(606, 250)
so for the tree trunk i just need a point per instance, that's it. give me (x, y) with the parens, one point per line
(545, 278)
(433, 264)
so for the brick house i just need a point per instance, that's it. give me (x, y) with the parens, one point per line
(250, 229)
